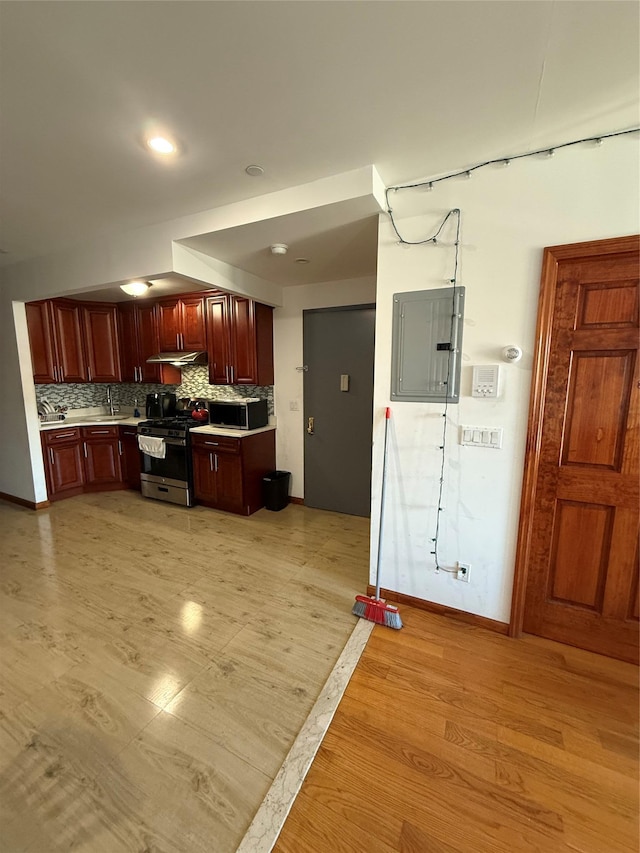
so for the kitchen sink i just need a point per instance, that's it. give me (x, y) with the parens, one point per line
(102, 418)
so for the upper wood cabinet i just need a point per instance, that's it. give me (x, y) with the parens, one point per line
(240, 335)
(138, 340)
(182, 324)
(102, 352)
(73, 341)
(56, 341)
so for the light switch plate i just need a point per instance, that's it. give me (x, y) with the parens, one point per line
(481, 436)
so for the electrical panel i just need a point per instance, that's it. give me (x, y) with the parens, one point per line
(486, 380)
(426, 345)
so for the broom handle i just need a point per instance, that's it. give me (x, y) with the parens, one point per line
(382, 491)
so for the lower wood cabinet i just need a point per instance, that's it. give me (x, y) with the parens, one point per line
(130, 457)
(82, 459)
(228, 472)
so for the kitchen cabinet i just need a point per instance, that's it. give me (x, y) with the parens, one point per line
(73, 341)
(101, 345)
(102, 449)
(240, 336)
(228, 472)
(138, 326)
(82, 459)
(182, 324)
(56, 341)
(130, 457)
(64, 468)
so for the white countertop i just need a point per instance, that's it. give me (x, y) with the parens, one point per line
(90, 421)
(231, 433)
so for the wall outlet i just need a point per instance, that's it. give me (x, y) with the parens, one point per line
(463, 572)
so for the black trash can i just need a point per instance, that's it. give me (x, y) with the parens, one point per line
(275, 487)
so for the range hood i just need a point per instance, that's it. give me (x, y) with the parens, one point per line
(178, 358)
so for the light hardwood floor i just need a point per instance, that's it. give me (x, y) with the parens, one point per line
(452, 739)
(156, 664)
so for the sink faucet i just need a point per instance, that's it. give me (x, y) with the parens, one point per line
(109, 400)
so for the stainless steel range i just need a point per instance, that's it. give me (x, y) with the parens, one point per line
(166, 472)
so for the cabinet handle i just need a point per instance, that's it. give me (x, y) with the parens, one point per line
(99, 432)
(226, 373)
(140, 374)
(215, 457)
(51, 456)
(119, 447)
(63, 435)
(178, 340)
(214, 443)
(135, 374)
(211, 461)
(84, 444)
(89, 373)
(232, 376)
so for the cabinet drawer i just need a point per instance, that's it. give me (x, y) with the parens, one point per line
(219, 443)
(101, 432)
(59, 436)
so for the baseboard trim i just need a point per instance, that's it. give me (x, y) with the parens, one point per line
(442, 610)
(22, 502)
(293, 500)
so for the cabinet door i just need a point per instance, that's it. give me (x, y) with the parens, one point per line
(147, 335)
(130, 457)
(127, 325)
(101, 343)
(101, 448)
(218, 339)
(64, 468)
(169, 325)
(243, 342)
(41, 342)
(229, 491)
(204, 483)
(193, 324)
(68, 334)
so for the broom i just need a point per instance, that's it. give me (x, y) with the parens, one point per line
(374, 608)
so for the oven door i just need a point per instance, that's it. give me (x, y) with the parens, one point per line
(173, 467)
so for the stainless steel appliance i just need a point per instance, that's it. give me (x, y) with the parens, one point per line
(169, 478)
(160, 405)
(250, 413)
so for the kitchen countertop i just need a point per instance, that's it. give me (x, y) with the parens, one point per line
(231, 433)
(91, 421)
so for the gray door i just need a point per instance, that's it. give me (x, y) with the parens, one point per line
(338, 408)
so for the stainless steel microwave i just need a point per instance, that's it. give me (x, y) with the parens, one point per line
(250, 413)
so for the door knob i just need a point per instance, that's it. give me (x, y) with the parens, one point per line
(310, 426)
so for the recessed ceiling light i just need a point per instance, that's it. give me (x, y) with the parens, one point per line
(135, 288)
(254, 171)
(161, 145)
(303, 261)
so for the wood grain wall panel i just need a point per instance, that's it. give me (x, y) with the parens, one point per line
(599, 384)
(601, 305)
(582, 536)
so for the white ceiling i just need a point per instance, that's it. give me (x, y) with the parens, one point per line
(305, 89)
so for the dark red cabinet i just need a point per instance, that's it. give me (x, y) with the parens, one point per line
(101, 344)
(64, 468)
(82, 459)
(138, 323)
(182, 324)
(56, 341)
(102, 449)
(240, 336)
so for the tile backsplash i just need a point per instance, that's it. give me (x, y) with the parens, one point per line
(195, 383)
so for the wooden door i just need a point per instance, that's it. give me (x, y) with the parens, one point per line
(41, 342)
(102, 458)
(127, 324)
(169, 325)
(229, 492)
(218, 339)
(579, 515)
(101, 342)
(63, 463)
(147, 340)
(68, 334)
(193, 330)
(204, 483)
(243, 342)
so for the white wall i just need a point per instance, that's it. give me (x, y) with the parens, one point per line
(508, 216)
(289, 382)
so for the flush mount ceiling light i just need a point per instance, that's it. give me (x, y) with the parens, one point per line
(135, 288)
(254, 171)
(161, 145)
(279, 249)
